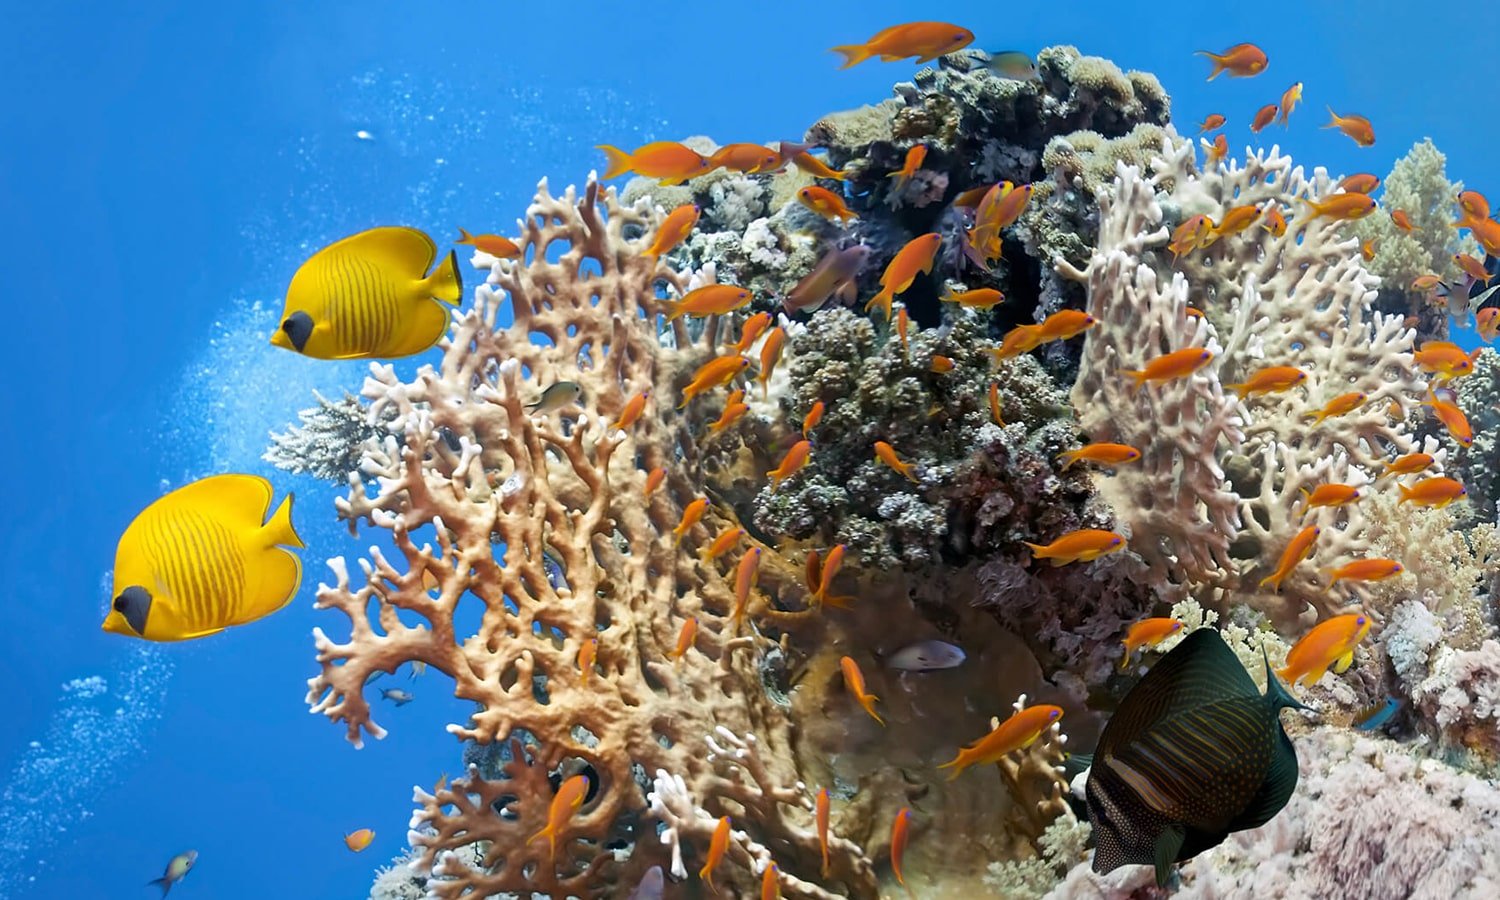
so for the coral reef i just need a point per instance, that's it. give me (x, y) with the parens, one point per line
(330, 441)
(1477, 465)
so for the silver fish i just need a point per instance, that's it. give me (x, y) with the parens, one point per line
(557, 396)
(396, 696)
(177, 868)
(926, 656)
(1014, 65)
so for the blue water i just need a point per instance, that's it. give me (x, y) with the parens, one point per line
(167, 169)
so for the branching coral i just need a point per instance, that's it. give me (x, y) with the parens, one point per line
(1478, 465)
(330, 441)
(502, 490)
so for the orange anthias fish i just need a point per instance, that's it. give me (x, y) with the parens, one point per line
(827, 570)
(1147, 633)
(1338, 406)
(1263, 117)
(942, 364)
(753, 328)
(1472, 267)
(1236, 219)
(1015, 733)
(746, 574)
(887, 454)
(1445, 358)
(685, 639)
(1434, 492)
(823, 805)
(815, 167)
(791, 463)
(1342, 207)
(716, 372)
(1367, 249)
(632, 411)
(586, 654)
(1177, 364)
(1329, 495)
(1402, 220)
(1240, 61)
(654, 478)
(743, 157)
(567, 800)
(1452, 418)
(770, 355)
(1472, 205)
(909, 167)
(924, 40)
(1426, 282)
(722, 543)
(825, 203)
(1486, 323)
(1065, 324)
(493, 244)
(717, 845)
(668, 161)
(1356, 127)
(359, 839)
(1359, 183)
(1271, 379)
(673, 230)
(1102, 453)
(1275, 221)
(1408, 464)
(1190, 235)
(995, 404)
(903, 325)
(1289, 101)
(709, 300)
(854, 680)
(1487, 233)
(1299, 548)
(1083, 545)
(690, 516)
(1376, 569)
(1330, 643)
(813, 417)
(770, 883)
(1217, 151)
(900, 830)
(979, 298)
(911, 260)
(1213, 123)
(734, 409)
(1021, 339)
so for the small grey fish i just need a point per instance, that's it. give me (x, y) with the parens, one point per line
(177, 868)
(1013, 64)
(557, 396)
(927, 656)
(396, 696)
(653, 883)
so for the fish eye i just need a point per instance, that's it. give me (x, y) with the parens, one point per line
(1360, 620)
(119, 604)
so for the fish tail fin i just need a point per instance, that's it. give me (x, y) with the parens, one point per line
(445, 283)
(1036, 549)
(279, 529)
(956, 766)
(464, 237)
(881, 299)
(1406, 493)
(1272, 580)
(165, 884)
(1125, 660)
(842, 601)
(1069, 457)
(618, 160)
(1139, 375)
(1218, 63)
(674, 309)
(853, 54)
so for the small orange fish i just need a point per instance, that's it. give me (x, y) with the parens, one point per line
(942, 364)
(1236, 219)
(1263, 117)
(1342, 207)
(746, 574)
(1487, 233)
(734, 409)
(827, 571)
(1102, 453)
(668, 161)
(825, 203)
(1330, 643)
(791, 463)
(1299, 548)
(1217, 151)
(770, 355)
(1377, 569)
(1472, 267)
(1240, 61)
(632, 411)
(1486, 323)
(770, 883)
(979, 298)
(1275, 221)
(1001, 208)
(717, 372)
(722, 543)
(743, 157)
(586, 654)
(1213, 123)
(1359, 183)
(685, 639)
(1147, 633)
(900, 830)
(909, 167)
(1016, 733)
(815, 167)
(1473, 205)
(564, 803)
(887, 454)
(1367, 249)
(1338, 406)
(924, 40)
(1066, 324)
(854, 681)
(1445, 358)
(1271, 379)
(1423, 283)
(1356, 127)
(690, 516)
(1021, 339)
(1190, 235)
(1408, 464)
(1402, 220)
(1434, 492)
(813, 417)
(995, 404)
(493, 244)
(717, 845)
(1192, 312)
(1289, 101)
(709, 300)
(1329, 495)
(903, 323)
(654, 478)
(753, 328)
(823, 805)
(673, 230)
(1083, 545)
(911, 260)
(1177, 364)
(360, 838)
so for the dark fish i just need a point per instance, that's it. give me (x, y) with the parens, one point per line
(1193, 754)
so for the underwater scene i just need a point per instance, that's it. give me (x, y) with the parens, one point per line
(905, 451)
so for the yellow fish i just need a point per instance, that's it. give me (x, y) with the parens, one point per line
(203, 558)
(368, 297)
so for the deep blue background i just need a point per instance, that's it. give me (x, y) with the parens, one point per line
(165, 169)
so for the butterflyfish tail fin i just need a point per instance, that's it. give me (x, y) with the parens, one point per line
(445, 283)
(279, 530)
